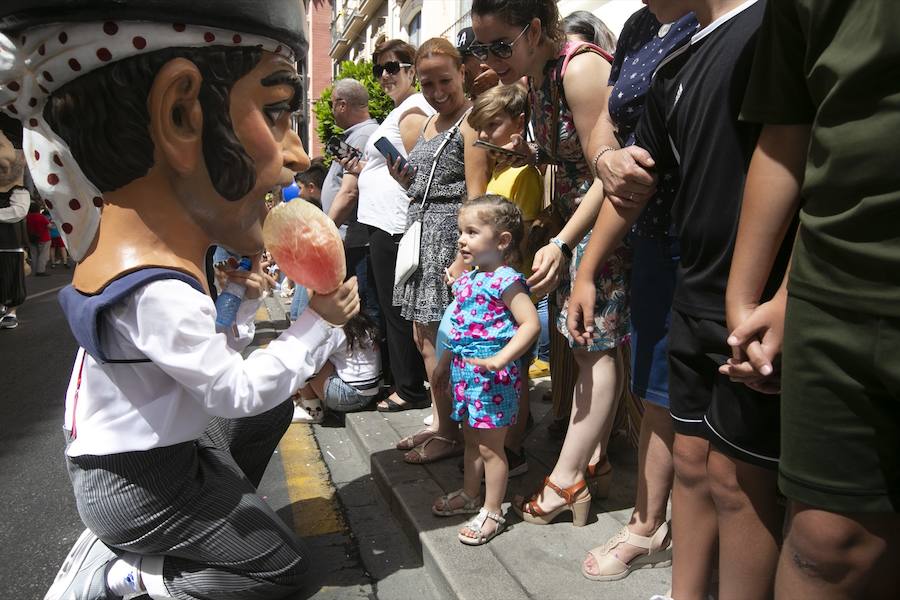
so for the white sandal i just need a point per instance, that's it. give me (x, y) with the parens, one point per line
(656, 553)
(470, 505)
(477, 522)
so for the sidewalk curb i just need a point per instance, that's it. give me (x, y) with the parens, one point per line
(527, 561)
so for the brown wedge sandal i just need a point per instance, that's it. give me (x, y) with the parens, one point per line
(578, 502)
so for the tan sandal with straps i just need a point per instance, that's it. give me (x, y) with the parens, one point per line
(657, 552)
(578, 502)
(445, 508)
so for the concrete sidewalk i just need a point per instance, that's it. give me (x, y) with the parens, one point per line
(525, 562)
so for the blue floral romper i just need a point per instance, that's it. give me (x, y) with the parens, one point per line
(481, 325)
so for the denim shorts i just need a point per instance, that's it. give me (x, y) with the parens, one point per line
(652, 287)
(340, 396)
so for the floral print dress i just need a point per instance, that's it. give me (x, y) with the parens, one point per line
(481, 325)
(573, 177)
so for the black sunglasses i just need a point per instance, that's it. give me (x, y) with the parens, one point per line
(500, 49)
(392, 67)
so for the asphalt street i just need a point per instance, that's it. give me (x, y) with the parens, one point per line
(38, 515)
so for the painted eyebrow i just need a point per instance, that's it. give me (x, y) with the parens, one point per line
(288, 78)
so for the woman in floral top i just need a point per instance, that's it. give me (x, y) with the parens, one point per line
(522, 38)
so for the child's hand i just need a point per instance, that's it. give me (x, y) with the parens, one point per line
(580, 320)
(403, 176)
(625, 173)
(485, 80)
(756, 342)
(339, 306)
(491, 363)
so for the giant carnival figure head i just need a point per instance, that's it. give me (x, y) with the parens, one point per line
(172, 119)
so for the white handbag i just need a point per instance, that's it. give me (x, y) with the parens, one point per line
(408, 253)
(411, 242)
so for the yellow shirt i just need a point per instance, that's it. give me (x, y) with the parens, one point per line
(524, 187)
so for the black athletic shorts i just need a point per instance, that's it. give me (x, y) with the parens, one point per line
(737, 421)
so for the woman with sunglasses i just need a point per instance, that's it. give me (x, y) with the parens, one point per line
(445, 141)
(382, 207)
(523, 38)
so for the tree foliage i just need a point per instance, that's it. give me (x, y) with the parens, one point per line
(380, 104)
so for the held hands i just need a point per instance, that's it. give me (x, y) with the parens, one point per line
(756, 341)
(548, 261)
(625, 173)
(403, 176)
(339, 306)
(580, 320)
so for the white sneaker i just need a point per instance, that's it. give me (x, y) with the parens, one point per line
(308, 411)
(429, 419)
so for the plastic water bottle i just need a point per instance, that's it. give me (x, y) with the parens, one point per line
(229, 300)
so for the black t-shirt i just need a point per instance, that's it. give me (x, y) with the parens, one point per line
(691, 123)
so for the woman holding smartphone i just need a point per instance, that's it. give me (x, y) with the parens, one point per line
(445, 141)
(382, 207)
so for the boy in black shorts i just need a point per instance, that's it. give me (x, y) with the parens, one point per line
(726, 444)
(824, 80)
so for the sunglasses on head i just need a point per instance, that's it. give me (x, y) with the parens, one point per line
(500, 49)
(392, 67)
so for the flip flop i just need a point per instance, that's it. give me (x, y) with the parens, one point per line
(411, 441)
(420, 456)
(397, 407)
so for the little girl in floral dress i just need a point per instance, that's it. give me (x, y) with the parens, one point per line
(493, 324)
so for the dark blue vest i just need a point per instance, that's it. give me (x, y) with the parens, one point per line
(84, 312)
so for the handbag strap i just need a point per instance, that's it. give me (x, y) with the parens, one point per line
(437, 154)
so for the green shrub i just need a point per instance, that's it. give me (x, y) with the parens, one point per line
(380, 104)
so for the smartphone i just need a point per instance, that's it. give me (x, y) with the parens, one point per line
(391, 154)
(341, 149)
(498, 149)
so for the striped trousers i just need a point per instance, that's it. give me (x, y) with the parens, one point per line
(195, 503)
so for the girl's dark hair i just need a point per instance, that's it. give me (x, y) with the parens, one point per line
(402, 50)
(104, 119)
(502, 215)
(361, 331)
(590, 28)
(521, 12)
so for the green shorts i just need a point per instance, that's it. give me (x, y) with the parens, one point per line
(840, 409)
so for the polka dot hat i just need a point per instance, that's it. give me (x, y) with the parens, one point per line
(41, 60)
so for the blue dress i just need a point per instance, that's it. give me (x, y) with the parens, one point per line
(480, 326)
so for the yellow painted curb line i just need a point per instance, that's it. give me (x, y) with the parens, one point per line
(313, 505)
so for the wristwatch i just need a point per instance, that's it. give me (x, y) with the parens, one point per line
(564, 247)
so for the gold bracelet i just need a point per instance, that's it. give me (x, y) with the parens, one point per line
(600, 153)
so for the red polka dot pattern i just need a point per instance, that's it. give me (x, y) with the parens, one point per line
(52, 62)
(49, 204)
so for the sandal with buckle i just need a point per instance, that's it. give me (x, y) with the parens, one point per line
(599, 483)
(470, 505)
(578, 502)
(420, 455)
(411, 441)
(475, 525)
(657, 552)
